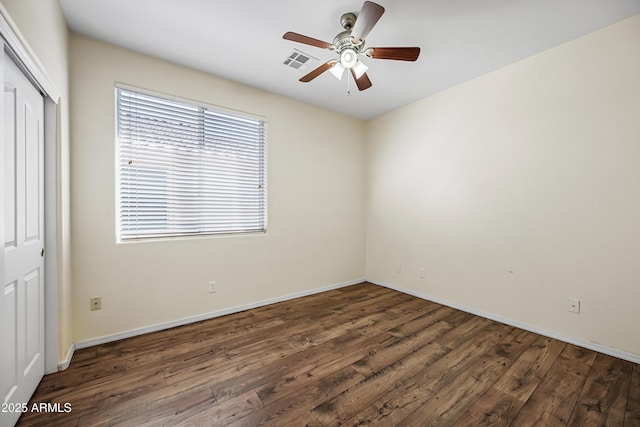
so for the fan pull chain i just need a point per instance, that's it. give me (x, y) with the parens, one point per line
(348, 85)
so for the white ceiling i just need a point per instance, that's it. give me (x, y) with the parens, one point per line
(241, 40)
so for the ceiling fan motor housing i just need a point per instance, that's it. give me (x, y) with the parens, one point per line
(343, 41)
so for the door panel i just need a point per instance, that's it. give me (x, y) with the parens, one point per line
(32, 165)
(22, 298)
(33, 330)
(10, 194)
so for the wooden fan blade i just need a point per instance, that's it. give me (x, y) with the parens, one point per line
(397, 53)
(363, 82)
(295, 37)
(369, 15)
(315, 73)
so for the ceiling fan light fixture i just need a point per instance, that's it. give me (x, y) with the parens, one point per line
(337, 70)
(348, 58)
(359, 69)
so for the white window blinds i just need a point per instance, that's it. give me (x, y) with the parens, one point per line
(187, 170)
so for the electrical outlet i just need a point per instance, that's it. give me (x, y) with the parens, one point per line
(399, 268)
(421, 273)
(95, 303)
(212, 287)
(574, 305)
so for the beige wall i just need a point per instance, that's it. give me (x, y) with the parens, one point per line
(315, 190)
(519, 190)
(43, 26)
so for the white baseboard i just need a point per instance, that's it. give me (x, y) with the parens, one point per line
(205, 316)
(184, 321)
(64, 364)
(635, 358)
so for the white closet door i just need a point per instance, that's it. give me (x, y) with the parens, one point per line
(22, 295)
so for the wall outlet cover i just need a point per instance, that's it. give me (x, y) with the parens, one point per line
(574, 305)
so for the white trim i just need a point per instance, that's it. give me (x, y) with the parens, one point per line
(51, 116)
(206, 316)
(25, 56)
(64, 364)
(635, 358)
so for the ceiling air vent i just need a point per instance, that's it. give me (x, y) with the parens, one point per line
(299, 60)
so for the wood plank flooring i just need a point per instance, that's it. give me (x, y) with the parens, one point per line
(360, 355)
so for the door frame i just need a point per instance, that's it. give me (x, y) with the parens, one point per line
(15, 46)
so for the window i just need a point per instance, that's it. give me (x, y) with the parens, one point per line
(186, 169)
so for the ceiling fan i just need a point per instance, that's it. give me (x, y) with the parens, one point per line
(349, 45)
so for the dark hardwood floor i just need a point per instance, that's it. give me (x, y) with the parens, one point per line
(359, 355)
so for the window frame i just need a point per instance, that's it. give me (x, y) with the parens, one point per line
(121, 235)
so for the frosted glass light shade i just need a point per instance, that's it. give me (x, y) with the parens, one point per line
(337, 70)
(359, 69)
